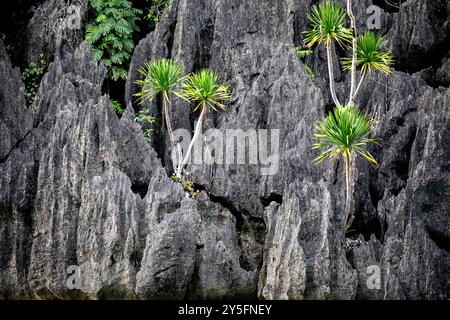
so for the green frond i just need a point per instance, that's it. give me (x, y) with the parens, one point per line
(97, 54)
(97, 5)
(327, 24)
(371, 55)
(118, 57)
(123, 27)
(118, 73)
(101, 18)
(111, 41)
(106, 62)
(110, 34)
(104, 28)
(345, 131)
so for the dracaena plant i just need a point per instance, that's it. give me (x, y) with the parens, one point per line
(328, 26)
(346, 132)
(204, 89)
(371, 55)
(162, 77)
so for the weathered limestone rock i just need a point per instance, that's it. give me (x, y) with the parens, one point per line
(81, 187)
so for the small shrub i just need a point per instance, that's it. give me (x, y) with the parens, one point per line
(117, 106)
(32, 77)
(302, 54)
(188, 186)
(148, 135)
(174, 178)
(143, 117)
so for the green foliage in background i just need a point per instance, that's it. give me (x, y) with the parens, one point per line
(143, 117)
(302, 54)
(31, 77)
(111, 34)
(157, 10)
(117, 106)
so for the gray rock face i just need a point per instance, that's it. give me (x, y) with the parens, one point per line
(419, 34)
(55, 24)
(80, 187)
(15, 120)
(91, 193)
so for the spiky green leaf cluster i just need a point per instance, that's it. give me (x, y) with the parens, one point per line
(160, 76)
(327, 24)
(205, 88)
(111, 34)
(371, 54)
(345, 130)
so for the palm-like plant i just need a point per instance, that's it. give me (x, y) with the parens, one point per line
(345, 131)
(161, 77)
(328, 25)
(371, 55)
(204, 88)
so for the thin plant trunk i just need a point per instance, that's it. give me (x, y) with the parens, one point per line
(363, 75)
(354, 51)
(348, 178)
(331, 75)
(166, 113)
(198, 129)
